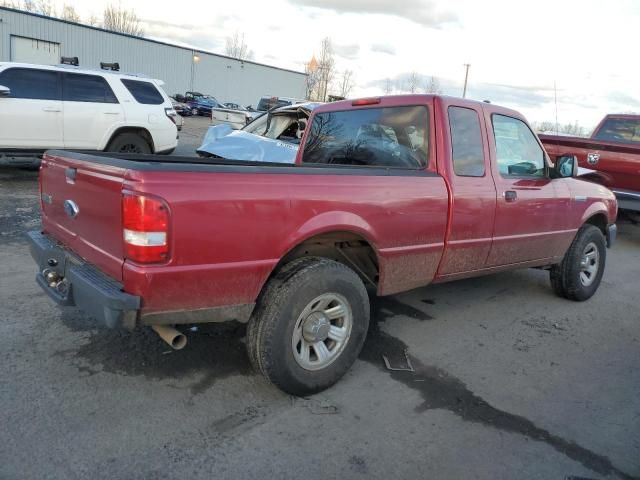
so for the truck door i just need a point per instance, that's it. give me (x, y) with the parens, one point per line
(473, 192)
(531, 209)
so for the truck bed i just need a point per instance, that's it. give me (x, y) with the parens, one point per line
(232, 222)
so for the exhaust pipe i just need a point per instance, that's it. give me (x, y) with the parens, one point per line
(173, 337)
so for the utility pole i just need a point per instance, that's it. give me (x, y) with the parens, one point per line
(466, 77)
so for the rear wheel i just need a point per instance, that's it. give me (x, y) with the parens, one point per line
(579, 274)
(309, 325)
(194, 111)
(129, 143)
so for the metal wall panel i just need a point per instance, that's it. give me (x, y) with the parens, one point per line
(225, 78)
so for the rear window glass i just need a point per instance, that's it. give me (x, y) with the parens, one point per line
(466, 142)
(144, 92)
(86, 88)
(377, 137)
(31, 83)
(620, 130)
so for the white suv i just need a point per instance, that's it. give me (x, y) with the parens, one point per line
(43, 107)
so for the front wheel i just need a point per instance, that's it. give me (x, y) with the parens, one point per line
(579, 274)
(309, 326)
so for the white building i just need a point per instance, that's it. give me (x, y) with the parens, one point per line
(32, 38)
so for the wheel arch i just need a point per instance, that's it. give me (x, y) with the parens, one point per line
(349, 244)
(143, 132)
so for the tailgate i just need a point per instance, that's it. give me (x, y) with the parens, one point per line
(81, 208)
(230, 116)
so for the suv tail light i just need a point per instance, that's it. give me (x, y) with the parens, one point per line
(171, 113)
(145, 228)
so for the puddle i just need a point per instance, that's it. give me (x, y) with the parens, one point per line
(439, 390)
(213, 352)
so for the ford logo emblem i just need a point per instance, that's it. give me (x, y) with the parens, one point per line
(71, 208)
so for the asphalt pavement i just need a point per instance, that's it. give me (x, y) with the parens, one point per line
(508, 382)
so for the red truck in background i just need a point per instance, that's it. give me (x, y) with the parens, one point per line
(392, 193)
(612, 152)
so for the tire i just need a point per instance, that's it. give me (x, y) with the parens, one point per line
(579, 274)
(195, 112)
(289, 324)
(129, 143)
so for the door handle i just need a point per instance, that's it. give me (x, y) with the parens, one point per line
(111, 113)
(510, 195)
(51, 109)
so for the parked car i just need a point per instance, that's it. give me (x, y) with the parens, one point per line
(394, 193)
(44, 107)
(201, 104)
(237, 119)
(272, 137)
(612, 154)
(181, 108)
(232, 106)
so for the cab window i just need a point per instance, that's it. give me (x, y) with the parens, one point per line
(466, 142)
(624, 130)
(518, 153)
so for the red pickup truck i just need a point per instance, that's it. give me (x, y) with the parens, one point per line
(613, 152)
(391, 193)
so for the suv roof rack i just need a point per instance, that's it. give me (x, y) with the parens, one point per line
(114, 67)
(70, 61)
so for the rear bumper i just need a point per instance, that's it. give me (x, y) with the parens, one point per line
(80, 284)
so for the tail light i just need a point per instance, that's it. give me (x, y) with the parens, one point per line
(145, 225)
(171, 113)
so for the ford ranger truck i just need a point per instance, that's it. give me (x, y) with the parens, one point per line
(612, 154)
(389, 193)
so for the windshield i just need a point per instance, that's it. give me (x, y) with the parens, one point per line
(283, 125)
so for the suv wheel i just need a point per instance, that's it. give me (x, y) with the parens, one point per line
(579, 274)
(194, 111)
(309, 326)
(129, 143)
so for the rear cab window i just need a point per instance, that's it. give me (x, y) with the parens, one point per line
(467, 151)
(78, 87)
(31, 83)
(395, 137)
(626, 130)
(145, 93)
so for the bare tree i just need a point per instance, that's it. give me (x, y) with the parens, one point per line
(433, 86)
(15, 4)
(346, 83)
(43, 7)
(93, 20)
(326, 66)
(118, 19)
(69, 13)
(236, 47)
(388, 86)
(412, 84)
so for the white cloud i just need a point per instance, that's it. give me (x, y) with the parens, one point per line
(517, 50)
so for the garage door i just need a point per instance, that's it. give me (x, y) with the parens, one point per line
(31, 50)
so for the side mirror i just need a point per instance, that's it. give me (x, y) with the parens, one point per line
(566, 166)
(4, 91)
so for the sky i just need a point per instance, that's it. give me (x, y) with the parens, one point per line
(523, 54)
